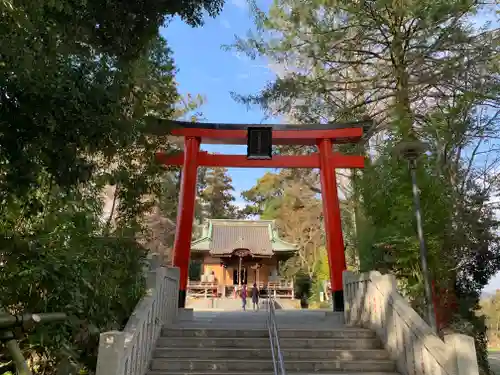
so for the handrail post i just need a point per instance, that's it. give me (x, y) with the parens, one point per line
(274, 341)
(374, 302)
(130, 350)
(111, 353)
(463, 352)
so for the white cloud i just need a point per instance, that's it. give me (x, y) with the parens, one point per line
(243, 76)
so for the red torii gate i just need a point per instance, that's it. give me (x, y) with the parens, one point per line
(327, 160)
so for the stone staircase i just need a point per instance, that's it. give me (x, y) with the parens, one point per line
(160, 339)
(228, 343)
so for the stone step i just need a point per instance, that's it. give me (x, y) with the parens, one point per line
(280, 314)
(265, 353)
(263, 320)
(161, 372)
(263, 342)
(225, 304)
(263, 333)
(235, 319)
(261, 326)
(251, 318)
(255, 317)
(236, 365)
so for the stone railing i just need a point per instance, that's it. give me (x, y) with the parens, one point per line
(129, 351)
(372, 301)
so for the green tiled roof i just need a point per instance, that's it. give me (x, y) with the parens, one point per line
(221, 237)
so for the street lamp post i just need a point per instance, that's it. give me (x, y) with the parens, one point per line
(411, 152)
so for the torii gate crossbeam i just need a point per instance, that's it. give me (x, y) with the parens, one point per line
(323, 136)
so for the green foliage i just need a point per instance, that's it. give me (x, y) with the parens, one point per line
(264, 197)
(216, 194)
(56, 261)
(365, 58)
(321, 275)
(385, 188)
(195, 270)
(77, 79)
(116, 28)
(77, 73)
(302, 287)
(170, 194)
(459, 230)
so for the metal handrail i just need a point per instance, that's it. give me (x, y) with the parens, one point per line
(274, 341)
(9, 322)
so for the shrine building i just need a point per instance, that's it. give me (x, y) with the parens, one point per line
(237, 252)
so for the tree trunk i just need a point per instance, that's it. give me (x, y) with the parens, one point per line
(113, 207)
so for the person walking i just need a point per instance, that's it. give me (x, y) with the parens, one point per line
(255, 297)
(244, 297)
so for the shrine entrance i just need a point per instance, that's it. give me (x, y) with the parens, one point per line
(242, 279)
(240, 273)
(260, 139)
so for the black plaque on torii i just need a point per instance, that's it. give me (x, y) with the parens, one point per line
(260, 143)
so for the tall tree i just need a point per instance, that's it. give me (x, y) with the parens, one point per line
(217, 195)
(459, 226)
(299, 216)
(97, 69)
(200, 214)
(264, 199)
(389, 61)
(74, 61)
(55, 245)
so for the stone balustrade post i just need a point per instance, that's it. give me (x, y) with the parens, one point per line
(372, 301)
(129, 351)
(463, 350)
(110, 360)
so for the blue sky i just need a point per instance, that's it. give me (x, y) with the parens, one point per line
(204, 68)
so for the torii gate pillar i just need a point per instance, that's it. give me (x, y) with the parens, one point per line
(333, 223)
(185, 214)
